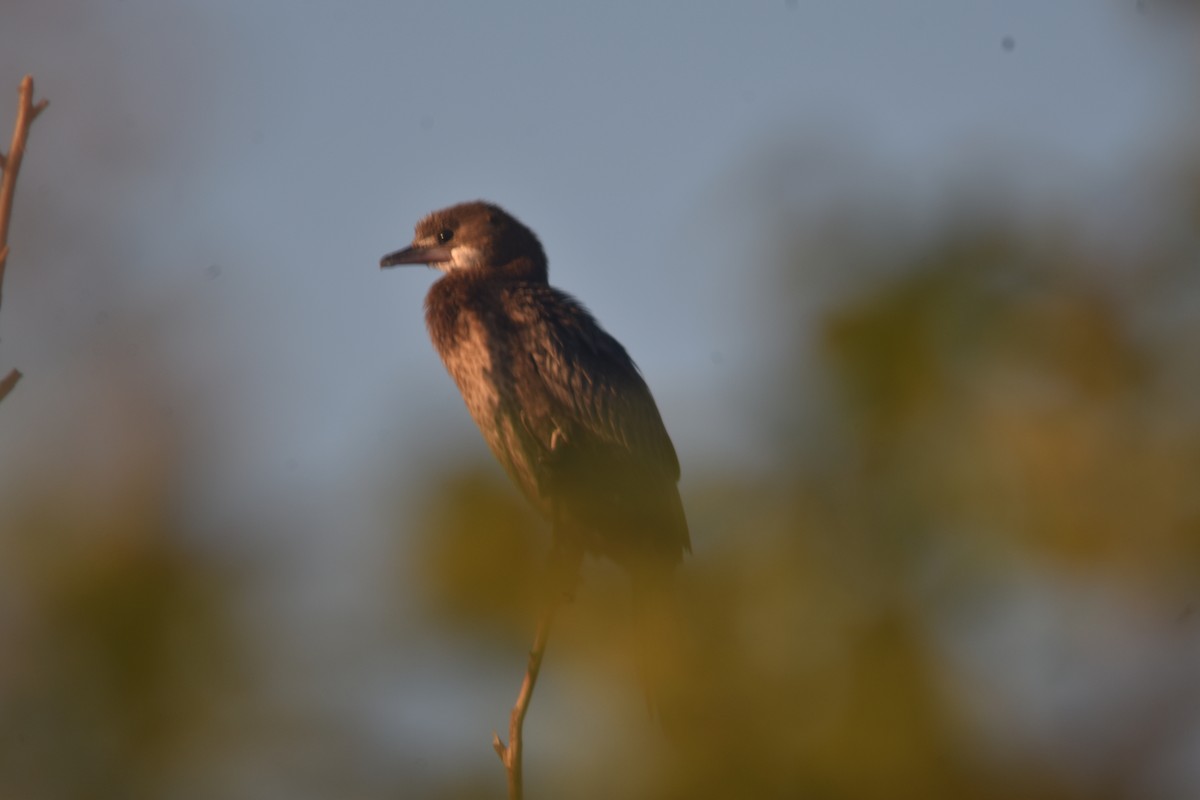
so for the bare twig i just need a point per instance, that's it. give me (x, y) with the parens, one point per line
(9, 383)
(510, 756)
(27, 112)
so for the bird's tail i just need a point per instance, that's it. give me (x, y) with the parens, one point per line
(658, 630)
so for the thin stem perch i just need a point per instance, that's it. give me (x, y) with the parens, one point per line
(510, 756)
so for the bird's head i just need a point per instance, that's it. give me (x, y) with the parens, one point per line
(474, 236)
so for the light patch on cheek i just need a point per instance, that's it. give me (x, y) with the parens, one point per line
(463, 257)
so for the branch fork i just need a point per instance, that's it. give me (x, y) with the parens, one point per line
(510, 755)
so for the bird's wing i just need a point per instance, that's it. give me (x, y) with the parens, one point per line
(597, 393)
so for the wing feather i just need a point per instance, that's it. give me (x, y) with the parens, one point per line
(598, 397)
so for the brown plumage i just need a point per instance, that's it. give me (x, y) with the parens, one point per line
(560, 403)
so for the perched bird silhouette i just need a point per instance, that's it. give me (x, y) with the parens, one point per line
(559, 401)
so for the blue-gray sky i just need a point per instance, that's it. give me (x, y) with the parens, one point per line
(289, 146)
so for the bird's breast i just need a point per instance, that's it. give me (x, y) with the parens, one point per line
(479, 358)
(469, 355)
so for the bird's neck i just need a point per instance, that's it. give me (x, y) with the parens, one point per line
(456, 297)
(525, 269)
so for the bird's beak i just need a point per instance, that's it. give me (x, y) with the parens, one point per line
(416, 255)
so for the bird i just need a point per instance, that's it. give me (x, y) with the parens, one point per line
(560, 403)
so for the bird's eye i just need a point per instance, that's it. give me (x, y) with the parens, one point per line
(445, 235)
